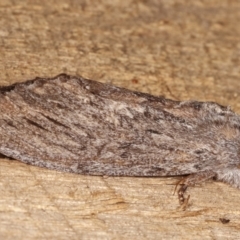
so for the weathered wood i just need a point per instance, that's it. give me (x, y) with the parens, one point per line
(171, 48)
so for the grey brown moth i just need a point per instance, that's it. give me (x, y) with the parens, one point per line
(82, 126)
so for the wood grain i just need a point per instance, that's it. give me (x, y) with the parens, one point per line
(179, 49)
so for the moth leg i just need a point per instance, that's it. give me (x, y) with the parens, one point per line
(191, 180)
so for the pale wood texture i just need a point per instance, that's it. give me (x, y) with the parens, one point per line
(179, 49)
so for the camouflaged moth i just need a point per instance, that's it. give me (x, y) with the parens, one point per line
(82, 126)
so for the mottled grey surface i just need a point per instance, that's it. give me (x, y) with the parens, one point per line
(77, 125)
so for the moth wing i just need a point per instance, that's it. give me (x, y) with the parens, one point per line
(77, 125)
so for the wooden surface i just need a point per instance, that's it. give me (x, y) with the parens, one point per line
(179, 49)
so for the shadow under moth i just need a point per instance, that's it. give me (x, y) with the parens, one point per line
(82, 126)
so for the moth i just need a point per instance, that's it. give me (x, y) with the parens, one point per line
(77, 125)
